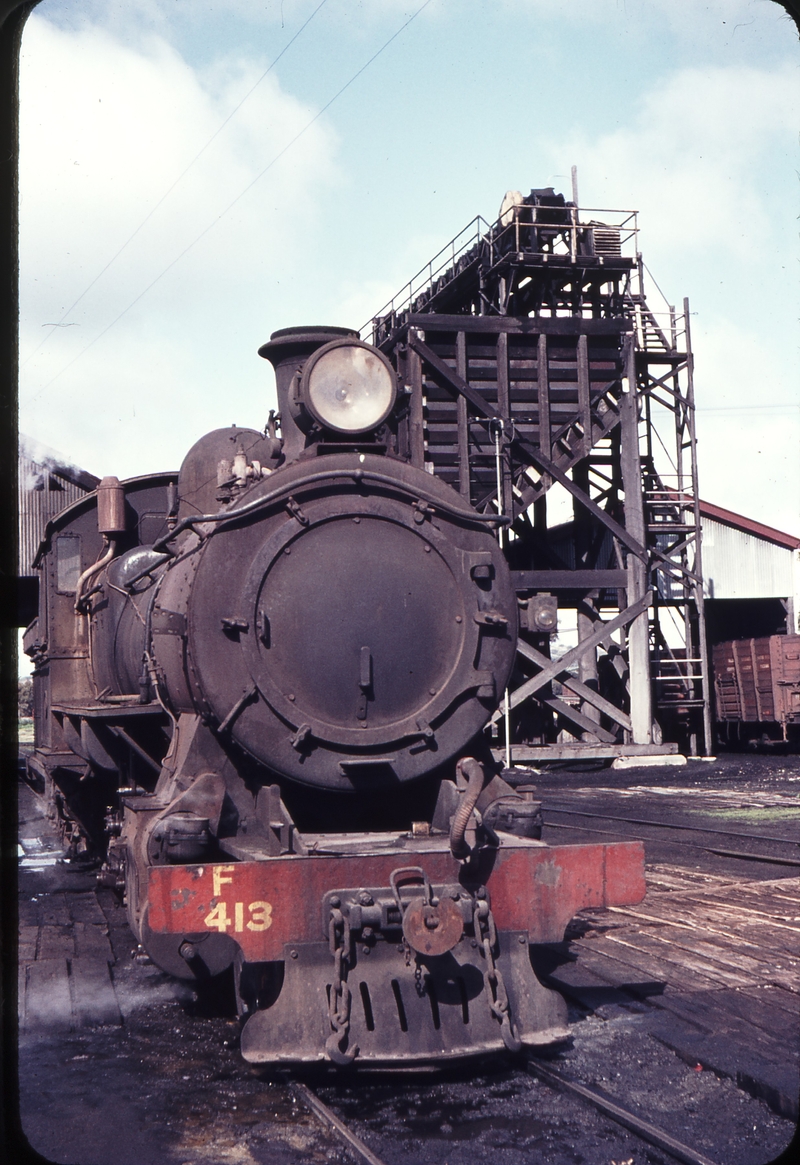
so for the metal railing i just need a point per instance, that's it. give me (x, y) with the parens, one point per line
(565, 231)
(472, 235)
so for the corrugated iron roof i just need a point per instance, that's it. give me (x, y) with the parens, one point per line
(748, 526)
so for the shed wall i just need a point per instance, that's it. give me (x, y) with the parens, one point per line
(737, 565)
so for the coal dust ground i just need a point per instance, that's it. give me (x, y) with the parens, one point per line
(506, 1117)
(167, 1086)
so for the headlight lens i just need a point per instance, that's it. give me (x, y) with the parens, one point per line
(349, 387)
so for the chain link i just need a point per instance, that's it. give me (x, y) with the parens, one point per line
(486, 934)
(412, 958)
(340, 996)
(339, 1001)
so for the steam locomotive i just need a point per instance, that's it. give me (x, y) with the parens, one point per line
(261, 687)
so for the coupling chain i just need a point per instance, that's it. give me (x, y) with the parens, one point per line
(412, 957)
(496, 993)
(339, 1000)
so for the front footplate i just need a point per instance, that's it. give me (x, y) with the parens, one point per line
(393, 951)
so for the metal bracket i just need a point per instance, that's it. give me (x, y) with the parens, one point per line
(232, 624)
(293, 506)
(490, 619)
(422, 510)
(303, 734)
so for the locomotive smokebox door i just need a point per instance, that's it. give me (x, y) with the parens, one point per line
(349, 632)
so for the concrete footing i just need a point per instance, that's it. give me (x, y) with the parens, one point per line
(640, 762)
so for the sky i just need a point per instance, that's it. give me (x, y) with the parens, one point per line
(181, 200)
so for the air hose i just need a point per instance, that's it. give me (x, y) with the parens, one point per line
(473, 770)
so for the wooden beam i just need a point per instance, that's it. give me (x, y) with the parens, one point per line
(638, 632)
(584, 403)
(580, 751)
(450, 377)
(545, 465)
(525, 325)
(543, 394)
(416, 422)
(577, 718)
(574, 580)
(504, 408)
(533, 454)
(463, 427)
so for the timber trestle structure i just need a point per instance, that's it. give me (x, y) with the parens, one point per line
(536, 369)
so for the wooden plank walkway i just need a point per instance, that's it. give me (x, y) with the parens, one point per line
(717, 962)
(65, 958)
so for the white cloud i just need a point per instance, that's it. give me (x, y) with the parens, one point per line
(707, 154)
(106, 129)
(747, 453)
(692, 154)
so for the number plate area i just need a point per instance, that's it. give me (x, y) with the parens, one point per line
(266, 904)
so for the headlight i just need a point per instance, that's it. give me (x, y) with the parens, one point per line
(348, 386)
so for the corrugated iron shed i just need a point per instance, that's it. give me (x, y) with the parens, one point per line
(47, 483)
(743, 559)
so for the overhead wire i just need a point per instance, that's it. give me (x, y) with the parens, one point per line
(169, 190)
(235, 201)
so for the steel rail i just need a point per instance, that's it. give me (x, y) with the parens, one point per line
(667, 824)
(706, 849)
(637, 1125)
(642, 1128)
(328, 1117)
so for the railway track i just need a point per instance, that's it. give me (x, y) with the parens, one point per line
(645, 1130)
(647, 1133)
(328, 1117)
(790, 858)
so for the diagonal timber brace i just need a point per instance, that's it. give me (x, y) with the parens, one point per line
(451, 377)
(556, 666)
(583, 722)
(545, 465)
(580, 689)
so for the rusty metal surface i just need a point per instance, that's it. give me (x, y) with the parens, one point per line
(414, 1012)
(432, 930)
(757, 681)
(325, 677)
(534, 888)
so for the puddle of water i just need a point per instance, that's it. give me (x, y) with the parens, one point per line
(754, 813)
(36, 853)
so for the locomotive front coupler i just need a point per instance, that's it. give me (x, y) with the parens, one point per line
(429, 920)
